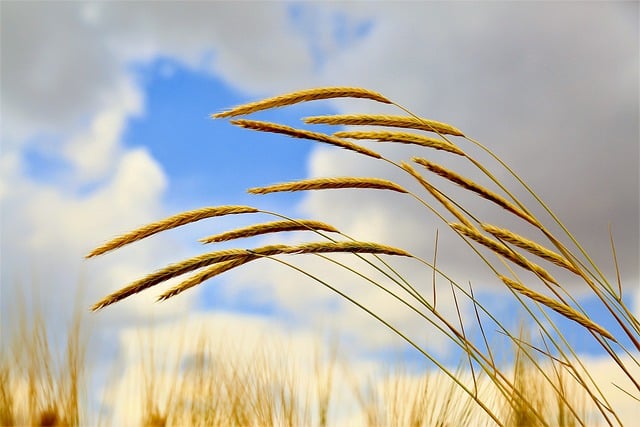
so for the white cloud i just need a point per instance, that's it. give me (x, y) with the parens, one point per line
(55, 71)
(50, 222)
(92, 152)
(252, 46)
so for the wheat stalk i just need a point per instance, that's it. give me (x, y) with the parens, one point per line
(470, 185)
(385, 120)
(558, 307)
(529, 245)
(167, 224)
(503, 250)
(302, 96)
(197, 262)
(330, 183)
(404, 138)
(303, 134)
(269, 227)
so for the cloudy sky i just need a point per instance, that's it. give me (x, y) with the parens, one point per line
(105, 126)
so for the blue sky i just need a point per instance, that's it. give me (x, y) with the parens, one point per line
(106, 126)
(209, 161)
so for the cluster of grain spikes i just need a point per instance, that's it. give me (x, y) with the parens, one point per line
(214, 263)
(511, 249)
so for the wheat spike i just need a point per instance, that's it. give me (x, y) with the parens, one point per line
(557, 306)
(327, 247)
(303, 134)
(270, 227)
(437, 195)
(385, 120)
(302, 96)
(170, 271)
(205, 260)
(476, 188)
(167, 224)
(403, 138)
(504, 251)
(529, 245)
(330, 183)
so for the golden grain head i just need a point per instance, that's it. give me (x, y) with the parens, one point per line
(504, 251)
(270, 227)
(330, 183)
(402, 138)
(169, 223)
(530, 246)
(406, 122)
(437, 195)
(206, 274)
(169, 272)
(474, 187)
(304, 134)
(303, 96)
(557, 306)
(346, 246)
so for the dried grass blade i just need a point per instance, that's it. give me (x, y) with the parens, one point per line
(270, 227)
(330, 183)
(403, 138)
(167, 224)
(530, 246)
(303, 134)
(558, 307)
(385, 120)
(476, 188)
(615, 263)
(467, 349)
(484, 335)
(303, 96)
(437, 195)
(626, 392)
(504, 251)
